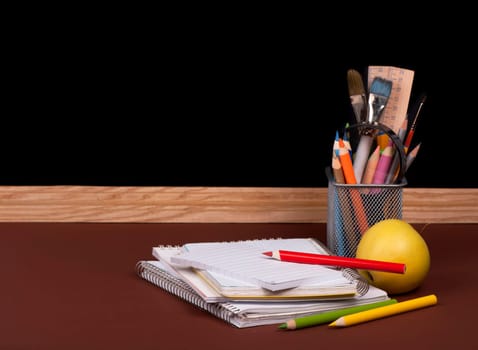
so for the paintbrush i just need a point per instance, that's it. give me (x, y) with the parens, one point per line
(411, 132)
(357, 94)
(380, 91)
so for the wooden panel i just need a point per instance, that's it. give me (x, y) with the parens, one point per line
(440, 205)
(212, 204)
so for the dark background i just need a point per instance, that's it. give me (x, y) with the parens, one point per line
(212, 108)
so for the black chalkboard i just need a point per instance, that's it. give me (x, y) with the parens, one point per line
(260, 113)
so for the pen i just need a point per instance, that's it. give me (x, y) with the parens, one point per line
(329, 316)
(323, 259)
(384, 311)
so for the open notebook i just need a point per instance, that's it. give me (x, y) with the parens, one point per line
(244, 261)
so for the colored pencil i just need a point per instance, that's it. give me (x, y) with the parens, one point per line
(384, 311)
(336, 166)
(382, 140)
(412, 155)
(348, 170)
(383, 165)
(371, 166)
(334, 260)
(346, 162)
(329, 316)
(337, 170)
(335, 146)
(346, 139)
(347, 239)
(395, 166)
(343, 211)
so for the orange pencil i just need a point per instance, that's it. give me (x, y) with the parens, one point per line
(346, 162)
(348, 170)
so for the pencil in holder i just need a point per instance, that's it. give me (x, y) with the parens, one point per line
(353, 208)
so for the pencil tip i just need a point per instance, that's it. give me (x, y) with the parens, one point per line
(283, 326)
(267, 253)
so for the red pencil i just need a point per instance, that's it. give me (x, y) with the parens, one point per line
(334, 260)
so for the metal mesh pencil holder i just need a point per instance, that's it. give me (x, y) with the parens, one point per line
(353, 208)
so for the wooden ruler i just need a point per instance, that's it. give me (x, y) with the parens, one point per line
(395, 111)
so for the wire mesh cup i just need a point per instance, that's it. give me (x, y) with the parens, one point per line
(353, 208)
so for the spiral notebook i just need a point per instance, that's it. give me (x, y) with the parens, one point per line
(214, 287)
(243, 260)
(247, 313)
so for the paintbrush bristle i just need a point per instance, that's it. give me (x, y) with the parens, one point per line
(380, 91)
(357, 94)
(381, 87)
(355, 83)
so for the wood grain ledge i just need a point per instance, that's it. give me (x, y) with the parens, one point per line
(213, 204)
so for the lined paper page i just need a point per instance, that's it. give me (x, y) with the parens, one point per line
(244, 260)
(200, 286)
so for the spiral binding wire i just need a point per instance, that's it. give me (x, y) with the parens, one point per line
(181, 289)
(361, 284)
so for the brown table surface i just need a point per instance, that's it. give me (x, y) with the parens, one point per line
(73, 286)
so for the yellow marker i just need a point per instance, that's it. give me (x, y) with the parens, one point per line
(385, 311)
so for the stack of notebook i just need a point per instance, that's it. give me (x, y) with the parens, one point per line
(237, 283)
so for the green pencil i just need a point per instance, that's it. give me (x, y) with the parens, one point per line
(330, 316)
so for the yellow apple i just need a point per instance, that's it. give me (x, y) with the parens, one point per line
(395, 240)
